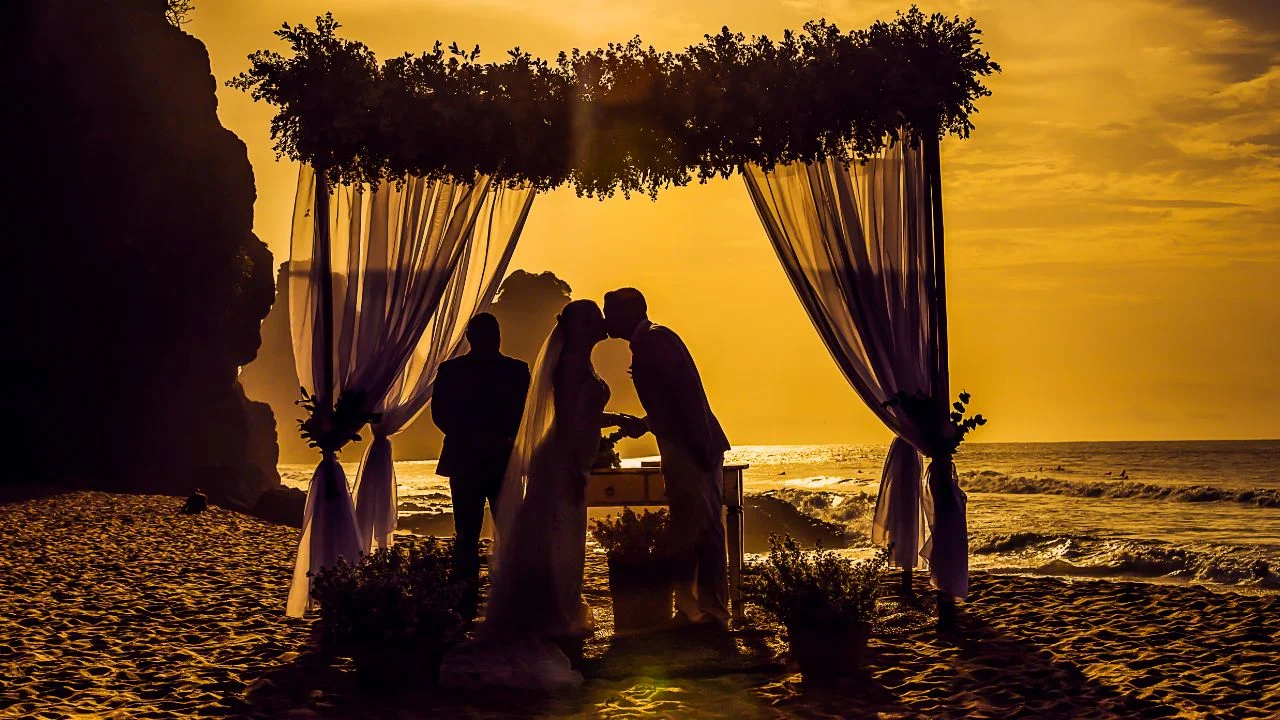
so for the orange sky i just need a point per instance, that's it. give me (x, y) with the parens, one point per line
(1113, 224)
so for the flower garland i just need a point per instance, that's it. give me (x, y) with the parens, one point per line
(624, 117)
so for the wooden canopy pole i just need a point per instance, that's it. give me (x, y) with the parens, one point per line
(940, 468)
(933, 172)
(320, 252)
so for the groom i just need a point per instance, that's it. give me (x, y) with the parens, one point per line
(692, 446)
(477, 403)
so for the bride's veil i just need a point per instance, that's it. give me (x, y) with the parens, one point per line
(535, 429)
(504, 654)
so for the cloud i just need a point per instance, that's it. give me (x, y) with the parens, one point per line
(1261, 16)
(1173, 203)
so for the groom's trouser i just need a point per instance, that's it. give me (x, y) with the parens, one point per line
(469, 493)
(696, 497)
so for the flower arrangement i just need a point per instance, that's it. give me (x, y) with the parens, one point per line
(922, 409)
(624, 117)
(816, 587)
(607, 456)
(633, 538)
(331, 428)
(393, 601)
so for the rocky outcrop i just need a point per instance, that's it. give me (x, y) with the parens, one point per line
(141, 285)
(272, 379)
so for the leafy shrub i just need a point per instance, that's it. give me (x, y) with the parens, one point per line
(631, 537)
(816, 587)
(397, 598)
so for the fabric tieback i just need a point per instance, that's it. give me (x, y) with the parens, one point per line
(898, 520)
(376, 494)
(945, 510)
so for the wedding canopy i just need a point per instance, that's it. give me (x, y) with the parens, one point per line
(418, 174)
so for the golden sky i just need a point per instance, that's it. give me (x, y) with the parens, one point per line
(1113, 224)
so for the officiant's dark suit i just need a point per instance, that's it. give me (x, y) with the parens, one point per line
(477, 403)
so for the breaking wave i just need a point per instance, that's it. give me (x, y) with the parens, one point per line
(1091, 556)
(990, 481)
(836, 508)
(1061, 554)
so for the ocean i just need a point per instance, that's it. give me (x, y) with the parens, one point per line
(1202, 511)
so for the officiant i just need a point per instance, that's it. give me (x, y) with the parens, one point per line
(477, 403)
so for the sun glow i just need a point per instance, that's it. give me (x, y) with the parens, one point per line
(1111, 225)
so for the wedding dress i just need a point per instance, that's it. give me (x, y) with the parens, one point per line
(536, 568)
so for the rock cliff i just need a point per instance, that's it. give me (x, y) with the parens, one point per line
(141, 286)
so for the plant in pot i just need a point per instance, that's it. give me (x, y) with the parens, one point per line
(394, 613)
(639, 568)
(826, 601)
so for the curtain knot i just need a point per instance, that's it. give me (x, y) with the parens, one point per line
(942, 480)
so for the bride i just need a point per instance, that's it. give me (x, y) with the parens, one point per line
(535, 595)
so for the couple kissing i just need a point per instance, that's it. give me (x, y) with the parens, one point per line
(534, 475)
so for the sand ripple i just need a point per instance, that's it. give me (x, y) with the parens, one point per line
(113, 606)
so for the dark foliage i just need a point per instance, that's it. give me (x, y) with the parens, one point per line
(177, 12)
(607, 456)
(815, 587)
(944, 437)
(401, 598)
(623, 117)
(330, 427)
(633, 538)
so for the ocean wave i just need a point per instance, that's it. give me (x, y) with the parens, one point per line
(1092, 556)
(990, 481)
(837, 508)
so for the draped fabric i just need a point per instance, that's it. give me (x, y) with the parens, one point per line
(360, 316)
(471, 289)
(856, 242)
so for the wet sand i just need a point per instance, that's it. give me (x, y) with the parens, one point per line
(115, 606)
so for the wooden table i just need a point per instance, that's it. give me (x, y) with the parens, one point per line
(645, 486)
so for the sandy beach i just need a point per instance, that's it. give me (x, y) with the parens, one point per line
(115, 606)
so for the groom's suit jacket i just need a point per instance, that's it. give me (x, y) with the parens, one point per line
(477, 403)
(671, 392)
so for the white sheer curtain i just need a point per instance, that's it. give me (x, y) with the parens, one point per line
(392, 254)
(856, 242)
(471, 288)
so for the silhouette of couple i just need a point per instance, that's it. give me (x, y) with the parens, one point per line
(533, 467)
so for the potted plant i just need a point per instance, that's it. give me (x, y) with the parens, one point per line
(639, 568)
(394, 613)
(825, 600)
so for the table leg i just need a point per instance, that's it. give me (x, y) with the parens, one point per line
(733, 520)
